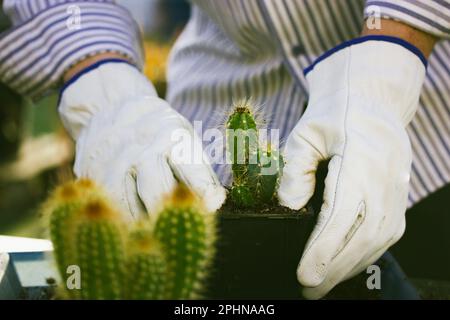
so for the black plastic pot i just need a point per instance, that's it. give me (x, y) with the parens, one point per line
(258, 255)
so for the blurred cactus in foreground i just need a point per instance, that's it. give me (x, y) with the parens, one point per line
(256, 166)
(146, 266)
(166, 259)
(59, 210)
(86, 232)
(187, 234)
(99, 250)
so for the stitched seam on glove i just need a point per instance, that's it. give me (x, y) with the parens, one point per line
(358, 221)
(321, 156)
(333, 206)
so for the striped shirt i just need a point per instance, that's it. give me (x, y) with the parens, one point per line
(234, 49)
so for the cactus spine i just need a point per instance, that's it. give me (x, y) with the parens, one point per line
(187, 234)
(256, 168)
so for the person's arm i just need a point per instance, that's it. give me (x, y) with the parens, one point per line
(363, 94)
(124, 132)
(50, 37)
(431, 16)
(421, 40)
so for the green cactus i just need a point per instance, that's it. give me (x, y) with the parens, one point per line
(265, 175)
(242, 195)
(166, 258)
(146, 266)
(271, 180)
(59, 209)
(187, 234)
(100, 252)
(242, 139)
(85, 231)
(256, 175)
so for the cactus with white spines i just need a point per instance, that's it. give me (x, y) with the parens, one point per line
(242, 139)
(256, 166)
(264, 177)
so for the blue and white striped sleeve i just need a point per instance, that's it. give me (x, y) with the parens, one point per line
(431, 16)
(50, 36)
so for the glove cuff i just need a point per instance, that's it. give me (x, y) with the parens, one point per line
(386, 73)
(405, 44)
(101, 88)
(89, 69)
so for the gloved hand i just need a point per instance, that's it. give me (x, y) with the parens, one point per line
(126, 139)
(362, 96)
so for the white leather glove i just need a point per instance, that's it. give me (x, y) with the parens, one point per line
(362, 96)
(125, 136)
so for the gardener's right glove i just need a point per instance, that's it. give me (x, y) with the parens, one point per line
(363, 94)
(132, 142)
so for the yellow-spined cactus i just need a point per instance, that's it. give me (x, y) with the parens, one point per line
(99, 250)
(166, 257)
(61, 206)
(146, 266)
(187, 234)
(86, 231)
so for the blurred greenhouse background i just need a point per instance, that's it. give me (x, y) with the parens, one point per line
(35, 152)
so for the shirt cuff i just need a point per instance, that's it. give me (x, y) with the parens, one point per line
(36, 53)
(432, 17)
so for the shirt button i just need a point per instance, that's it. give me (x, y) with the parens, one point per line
(298, 50)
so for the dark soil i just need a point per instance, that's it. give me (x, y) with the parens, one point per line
(229, 209)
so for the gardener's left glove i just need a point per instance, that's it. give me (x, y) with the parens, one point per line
(131, 141)
(362, 96)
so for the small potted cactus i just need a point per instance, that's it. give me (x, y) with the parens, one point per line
(261, 242)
